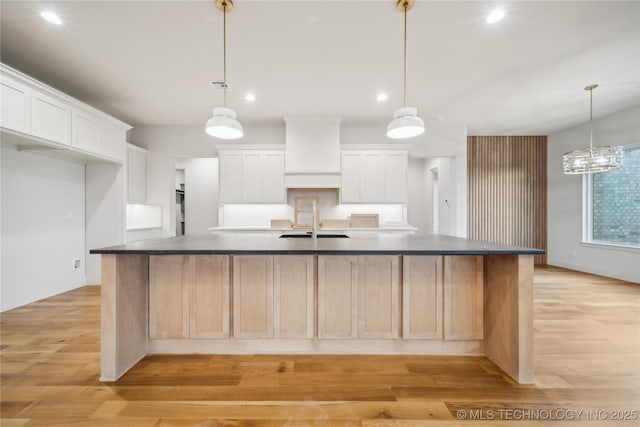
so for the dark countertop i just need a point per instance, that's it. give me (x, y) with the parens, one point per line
(254, 244)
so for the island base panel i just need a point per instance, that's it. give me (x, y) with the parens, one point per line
(124, 313)
(508, 321)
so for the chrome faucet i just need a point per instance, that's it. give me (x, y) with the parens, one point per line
(314, 225)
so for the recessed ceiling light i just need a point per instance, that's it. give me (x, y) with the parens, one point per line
(382, 97)
(495, 16)
(49, 16)
(250, 97)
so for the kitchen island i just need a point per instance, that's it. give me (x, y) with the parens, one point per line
(248, 294)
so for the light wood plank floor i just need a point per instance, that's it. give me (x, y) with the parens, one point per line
(587, 336)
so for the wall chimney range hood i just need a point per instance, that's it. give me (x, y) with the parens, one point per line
(312, 158)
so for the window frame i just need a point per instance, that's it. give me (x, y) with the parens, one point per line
(587, 215)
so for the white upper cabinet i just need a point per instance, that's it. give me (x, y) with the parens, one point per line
(274, 191)
(86, 135)
(252, 176)
(38, 115)
(395, 177)
(14, 108)
(50, 118)
(350, 177)
(374, 176)
(230, 180)
(136, 174)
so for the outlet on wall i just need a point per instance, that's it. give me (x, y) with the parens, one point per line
(76, 264)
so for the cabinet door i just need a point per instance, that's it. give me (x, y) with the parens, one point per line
(337, 296)
(293, 279)
(209, 305)
(136, 177)
(372, 178)
(350, 191)
(422, 297)
(87, 133)
(252, 177)
(395, 178)
(253, 296)
(14, 108)
(230, 178)
(114, 142)
(50, 118)
(463, 297)
(274, 191)
(168, 296)
(378, 288)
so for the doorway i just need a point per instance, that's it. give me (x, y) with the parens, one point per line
(434, 201)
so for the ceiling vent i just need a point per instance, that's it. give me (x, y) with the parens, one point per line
(217, 85)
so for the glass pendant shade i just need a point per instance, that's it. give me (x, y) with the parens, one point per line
(224, 125)
(593, 160)
(405, 124)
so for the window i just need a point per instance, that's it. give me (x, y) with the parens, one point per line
(614, 201)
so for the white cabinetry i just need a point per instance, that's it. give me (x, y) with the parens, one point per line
(36, 115)
(374, 176)
(50, 118)
(14, 108)
(136, 174)
(252, 176)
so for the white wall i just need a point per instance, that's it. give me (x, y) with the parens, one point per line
(43, 226)
(201, 194)
(417, 204)
(105, 212)
(565, 200)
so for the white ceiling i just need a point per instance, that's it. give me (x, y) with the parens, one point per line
(150, 62)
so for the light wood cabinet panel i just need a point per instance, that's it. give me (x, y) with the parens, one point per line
(422, 297)
(378, 299)
(209, 296)
(293, 283)
(253, 296)
(463, 297)
(50, 118)
(169, 296)
(337, 296)
(14, 108)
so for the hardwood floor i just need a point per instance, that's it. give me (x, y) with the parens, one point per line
(587, 338)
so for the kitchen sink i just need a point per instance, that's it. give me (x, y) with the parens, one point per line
(308, 236)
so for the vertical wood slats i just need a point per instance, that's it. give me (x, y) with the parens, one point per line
(507, 190)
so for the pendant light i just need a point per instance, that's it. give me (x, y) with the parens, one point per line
(592, 160)
(223, 124)
(406, 123)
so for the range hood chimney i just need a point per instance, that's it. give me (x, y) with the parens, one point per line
(312, 150)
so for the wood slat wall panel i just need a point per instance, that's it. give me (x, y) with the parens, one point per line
(507, 190)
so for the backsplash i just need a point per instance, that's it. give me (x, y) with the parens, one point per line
(260, 215)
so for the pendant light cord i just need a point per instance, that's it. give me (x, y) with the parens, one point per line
(404, 80)
(591, 120)
(224, 50)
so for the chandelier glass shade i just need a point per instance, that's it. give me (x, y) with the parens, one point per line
(592, 159)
